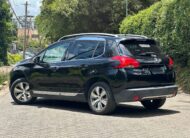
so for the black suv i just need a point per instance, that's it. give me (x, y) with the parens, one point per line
(101, 69)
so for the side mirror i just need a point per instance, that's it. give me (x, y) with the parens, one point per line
(36, 60)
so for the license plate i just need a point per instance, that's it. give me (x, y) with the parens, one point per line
(158, 70)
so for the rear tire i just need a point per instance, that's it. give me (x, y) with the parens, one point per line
(21, 92)
(100, 99)
(153, 104)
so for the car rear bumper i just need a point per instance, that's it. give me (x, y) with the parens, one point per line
(140, 94)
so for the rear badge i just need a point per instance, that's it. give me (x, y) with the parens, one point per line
(157, 60)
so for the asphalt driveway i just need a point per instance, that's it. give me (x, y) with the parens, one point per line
(52, 118)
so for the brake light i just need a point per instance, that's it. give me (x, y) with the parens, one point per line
(171, 62)
(126, 62)
(136, 98)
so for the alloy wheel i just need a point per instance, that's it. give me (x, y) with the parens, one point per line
(22, 92)
(98, 98)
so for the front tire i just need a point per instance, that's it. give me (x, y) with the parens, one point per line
(153, 104)
(100, 99)
(21, 92)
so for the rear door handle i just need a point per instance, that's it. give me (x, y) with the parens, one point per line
(84, 66)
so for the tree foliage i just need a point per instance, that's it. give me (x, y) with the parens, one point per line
(137, 5)
(61, 17)
(169, 22)
(6, 27)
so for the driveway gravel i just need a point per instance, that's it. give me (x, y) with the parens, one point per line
(53, 118)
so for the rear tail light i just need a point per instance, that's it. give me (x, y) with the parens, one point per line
(136, 98)
(125, 61)
(171, 62)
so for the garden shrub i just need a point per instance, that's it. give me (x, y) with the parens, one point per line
(14, 58)
(168, 21)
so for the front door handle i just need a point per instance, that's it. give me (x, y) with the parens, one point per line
(54, 69)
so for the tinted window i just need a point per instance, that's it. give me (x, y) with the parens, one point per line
(86, 49)
(114, 50)
(100, 49)
(139, 48)
(55, 53)
(123, 50)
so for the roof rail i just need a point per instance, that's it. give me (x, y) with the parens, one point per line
(82, 34)
(131, 35)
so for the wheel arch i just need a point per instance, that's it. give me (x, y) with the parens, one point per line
(16, 75)
(91, 81)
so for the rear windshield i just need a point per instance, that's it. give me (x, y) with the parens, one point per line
(139, 48)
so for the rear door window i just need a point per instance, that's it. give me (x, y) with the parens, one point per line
(85, 49)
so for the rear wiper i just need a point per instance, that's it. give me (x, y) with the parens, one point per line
(150, 54)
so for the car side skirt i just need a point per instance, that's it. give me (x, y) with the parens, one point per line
(68, 96)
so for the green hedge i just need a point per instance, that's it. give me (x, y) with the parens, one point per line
(183, 78)
(169, 22)
(14, 58)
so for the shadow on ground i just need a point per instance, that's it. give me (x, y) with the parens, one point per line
(123, 110)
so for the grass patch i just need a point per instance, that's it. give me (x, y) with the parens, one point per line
(3, 77)
(183, 78)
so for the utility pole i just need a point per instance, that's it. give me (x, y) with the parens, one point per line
(29, 27)
(127, 7)
(25, 28)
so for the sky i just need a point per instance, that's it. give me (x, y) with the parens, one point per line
(33, 8)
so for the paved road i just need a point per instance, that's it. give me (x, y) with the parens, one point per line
(5, 69)
(51, 119)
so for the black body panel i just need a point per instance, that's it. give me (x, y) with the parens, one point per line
(77, 75)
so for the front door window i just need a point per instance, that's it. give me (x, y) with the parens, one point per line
(55, 53)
